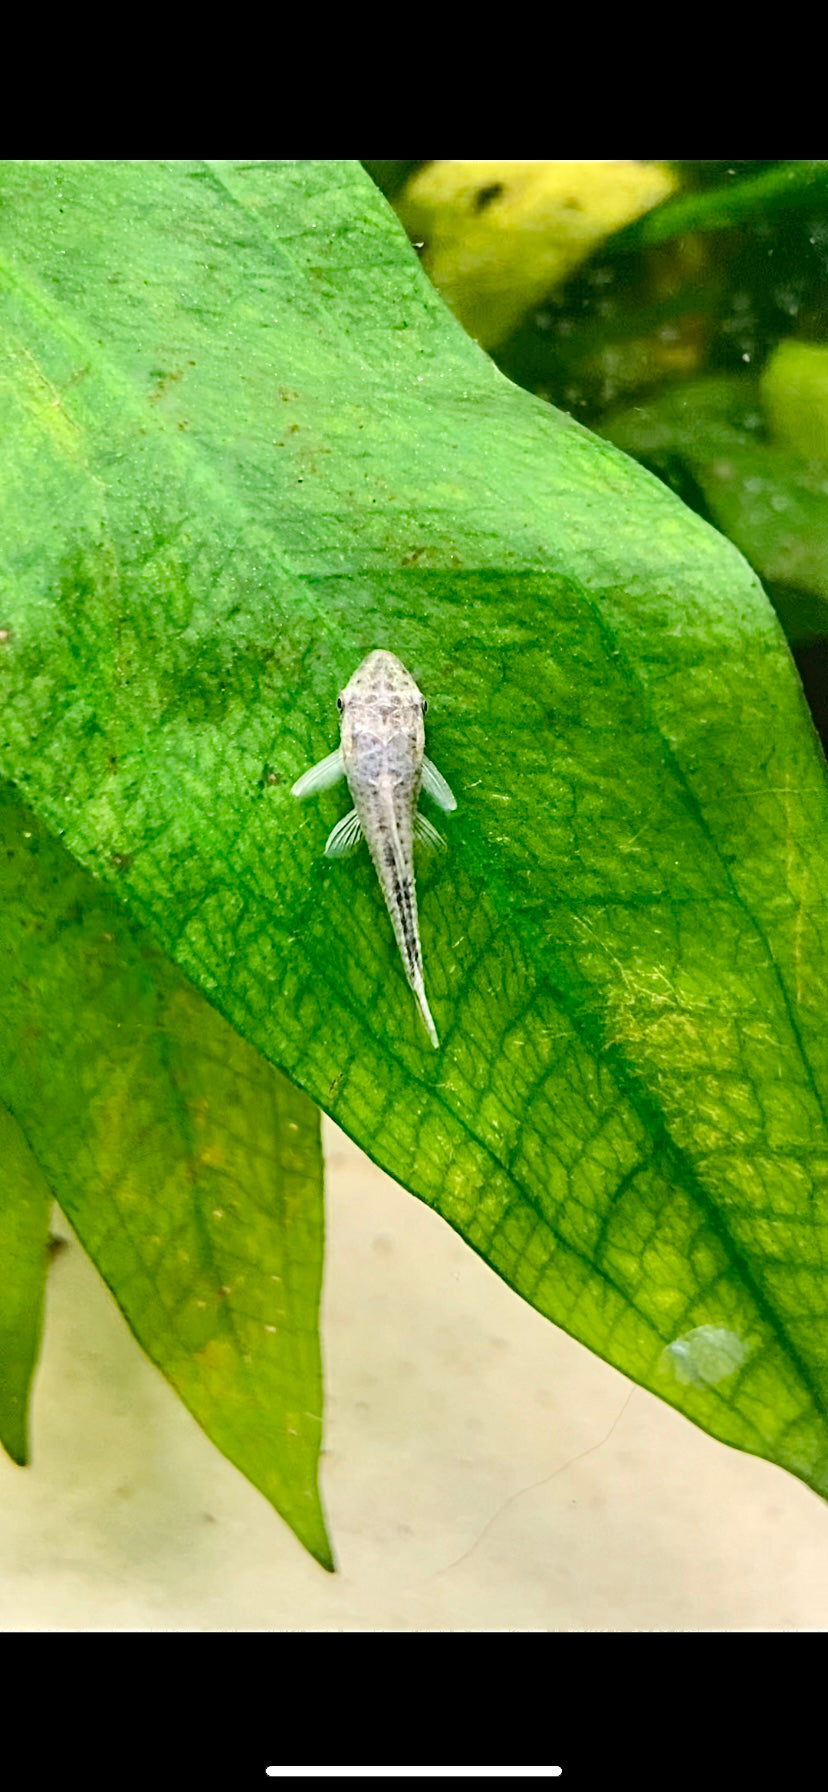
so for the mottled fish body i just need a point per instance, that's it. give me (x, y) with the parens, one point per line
(382, 755)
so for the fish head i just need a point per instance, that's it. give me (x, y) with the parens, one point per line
(382, 712)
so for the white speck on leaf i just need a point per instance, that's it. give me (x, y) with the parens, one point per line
(704, 1356)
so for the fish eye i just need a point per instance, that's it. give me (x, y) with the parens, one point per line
(425, 705)
(339, 703)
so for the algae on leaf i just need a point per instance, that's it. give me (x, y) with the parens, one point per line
(246, 443)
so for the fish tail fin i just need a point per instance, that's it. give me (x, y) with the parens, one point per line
(426, 1014)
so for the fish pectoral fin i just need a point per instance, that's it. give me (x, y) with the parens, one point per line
(345, 837)
(424, 831)
(321, 776)
(435, 786)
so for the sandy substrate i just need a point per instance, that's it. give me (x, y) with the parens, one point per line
(482, 1471)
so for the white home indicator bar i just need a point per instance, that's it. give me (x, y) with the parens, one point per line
(411, 1773)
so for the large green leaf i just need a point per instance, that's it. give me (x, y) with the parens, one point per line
(246, 445)
(190, 1169)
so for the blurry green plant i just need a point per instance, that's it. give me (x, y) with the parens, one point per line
(675, 340)
(709, 440)
(244, 443)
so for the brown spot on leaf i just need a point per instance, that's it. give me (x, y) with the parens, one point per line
(163, 381)
(487, 195)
